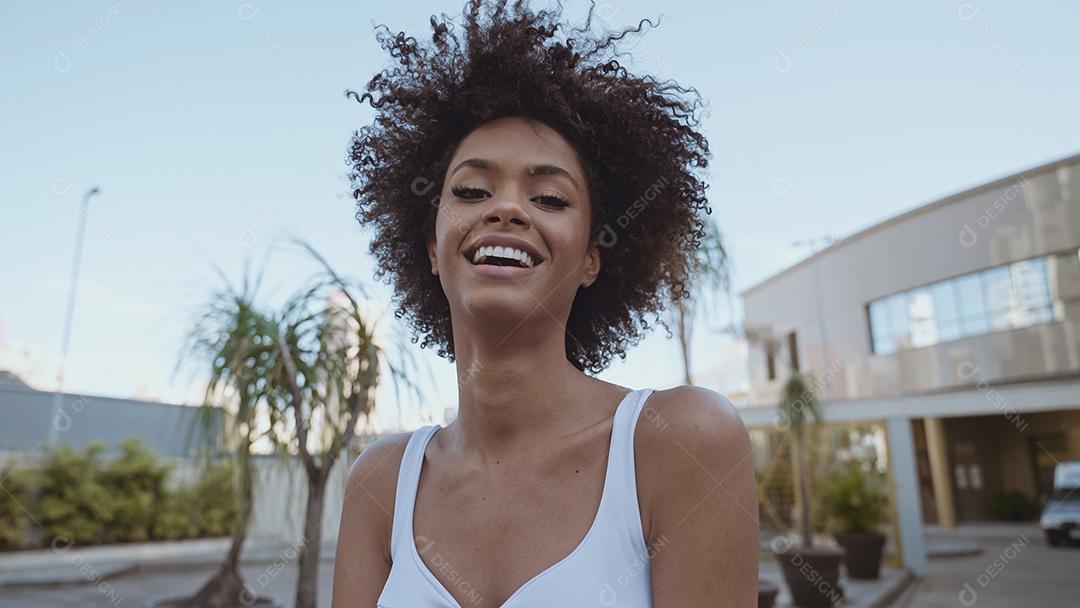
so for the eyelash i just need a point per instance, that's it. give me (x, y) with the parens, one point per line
(470, 193)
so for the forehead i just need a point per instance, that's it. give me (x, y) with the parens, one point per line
(515, 144)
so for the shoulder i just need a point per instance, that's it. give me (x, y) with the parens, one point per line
(375, 470)
(372, 484)
(689, 440)
(690, 416)
(363, 558)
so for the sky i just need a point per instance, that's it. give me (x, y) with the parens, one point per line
(218, 130)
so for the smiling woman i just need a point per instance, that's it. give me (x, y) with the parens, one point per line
(569, 205)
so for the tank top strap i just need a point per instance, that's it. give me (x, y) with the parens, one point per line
(407, 484)
(623, 474)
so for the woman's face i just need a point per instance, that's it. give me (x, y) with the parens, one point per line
(519, 182)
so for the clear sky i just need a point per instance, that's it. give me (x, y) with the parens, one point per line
(215, 129)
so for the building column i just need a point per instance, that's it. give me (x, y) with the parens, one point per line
(905, 482)
(944, 502)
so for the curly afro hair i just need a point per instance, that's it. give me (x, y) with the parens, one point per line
(638, 139)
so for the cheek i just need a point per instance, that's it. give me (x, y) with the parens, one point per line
(451, 225)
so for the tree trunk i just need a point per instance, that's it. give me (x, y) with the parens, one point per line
(308, 583)
(226, 588)
(684, 340)
(804, 499)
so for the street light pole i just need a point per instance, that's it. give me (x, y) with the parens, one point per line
(73, 287)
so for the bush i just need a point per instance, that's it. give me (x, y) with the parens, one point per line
(136, 483)
(82, 500)
(208, 508)
(14, 501)
(854, 498)
(73, 505)
(1012, 506)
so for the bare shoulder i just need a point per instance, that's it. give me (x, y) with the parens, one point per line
(373, 475)
(698, 499)
(691, 417)
(362, 561)
(689, 439)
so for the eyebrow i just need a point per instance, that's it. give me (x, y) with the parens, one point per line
(533, 170)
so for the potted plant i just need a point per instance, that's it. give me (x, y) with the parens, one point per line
(854, 504)
(812, 572)
(766, 593)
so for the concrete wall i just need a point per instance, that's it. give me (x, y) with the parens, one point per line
(171, 431)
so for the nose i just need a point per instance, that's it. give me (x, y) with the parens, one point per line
(508, 209)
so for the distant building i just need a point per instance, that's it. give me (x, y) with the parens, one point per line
(957, 325)
(171, 431)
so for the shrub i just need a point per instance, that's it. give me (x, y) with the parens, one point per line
(73, 505)
(207, 508)
(14, 501)
(853, 498)
(82, 500)
(136, 483)
(1012, 506)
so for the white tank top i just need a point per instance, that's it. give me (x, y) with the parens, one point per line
(609, 567)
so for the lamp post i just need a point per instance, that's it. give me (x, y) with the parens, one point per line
(73, 287)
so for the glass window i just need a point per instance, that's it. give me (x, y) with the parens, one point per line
(1013, 295)
(1032, 292)
(896, 307)
(1000, 305)
(945, 312)
(921, 318)
(970, 305)
(879, 328)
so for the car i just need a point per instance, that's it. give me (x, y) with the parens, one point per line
(1060, 518)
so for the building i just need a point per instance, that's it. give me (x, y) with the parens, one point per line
(956, 327)
(171, 431)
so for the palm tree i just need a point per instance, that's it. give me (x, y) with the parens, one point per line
(233, 336)
(799, 409)
(709, 271)
(326, 366)
(301, 378)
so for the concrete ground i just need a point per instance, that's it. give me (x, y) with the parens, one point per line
(1014, 568)
(277, 579)
(135, 589)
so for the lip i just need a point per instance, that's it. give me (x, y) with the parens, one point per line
(502, 241)
(501, 272)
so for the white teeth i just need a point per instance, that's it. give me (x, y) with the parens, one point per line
(502, 252)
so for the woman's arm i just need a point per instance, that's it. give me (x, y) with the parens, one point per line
(699, 500)
(362, 562)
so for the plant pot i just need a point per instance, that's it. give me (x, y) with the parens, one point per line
(862, 553)
(812, 575)
(259, 602)
(766, 594)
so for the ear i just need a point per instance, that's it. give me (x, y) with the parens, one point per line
(432, 258)
(592, 264)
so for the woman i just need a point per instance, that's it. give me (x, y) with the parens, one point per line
(532, 201)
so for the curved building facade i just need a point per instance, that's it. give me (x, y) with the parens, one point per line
(957, 324)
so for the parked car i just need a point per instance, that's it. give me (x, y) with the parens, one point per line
(1060, 517)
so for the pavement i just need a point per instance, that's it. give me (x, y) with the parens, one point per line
(1013, 566)
(133, 575)
(857, 594)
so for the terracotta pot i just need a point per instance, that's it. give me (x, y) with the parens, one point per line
(862, 553)
(812, 575)
(766, 594)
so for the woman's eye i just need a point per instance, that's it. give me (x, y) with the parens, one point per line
(468, 192)
(552, 200)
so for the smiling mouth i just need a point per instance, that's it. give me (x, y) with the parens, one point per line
(502, 256)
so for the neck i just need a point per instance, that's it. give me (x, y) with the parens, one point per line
(516, 390)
